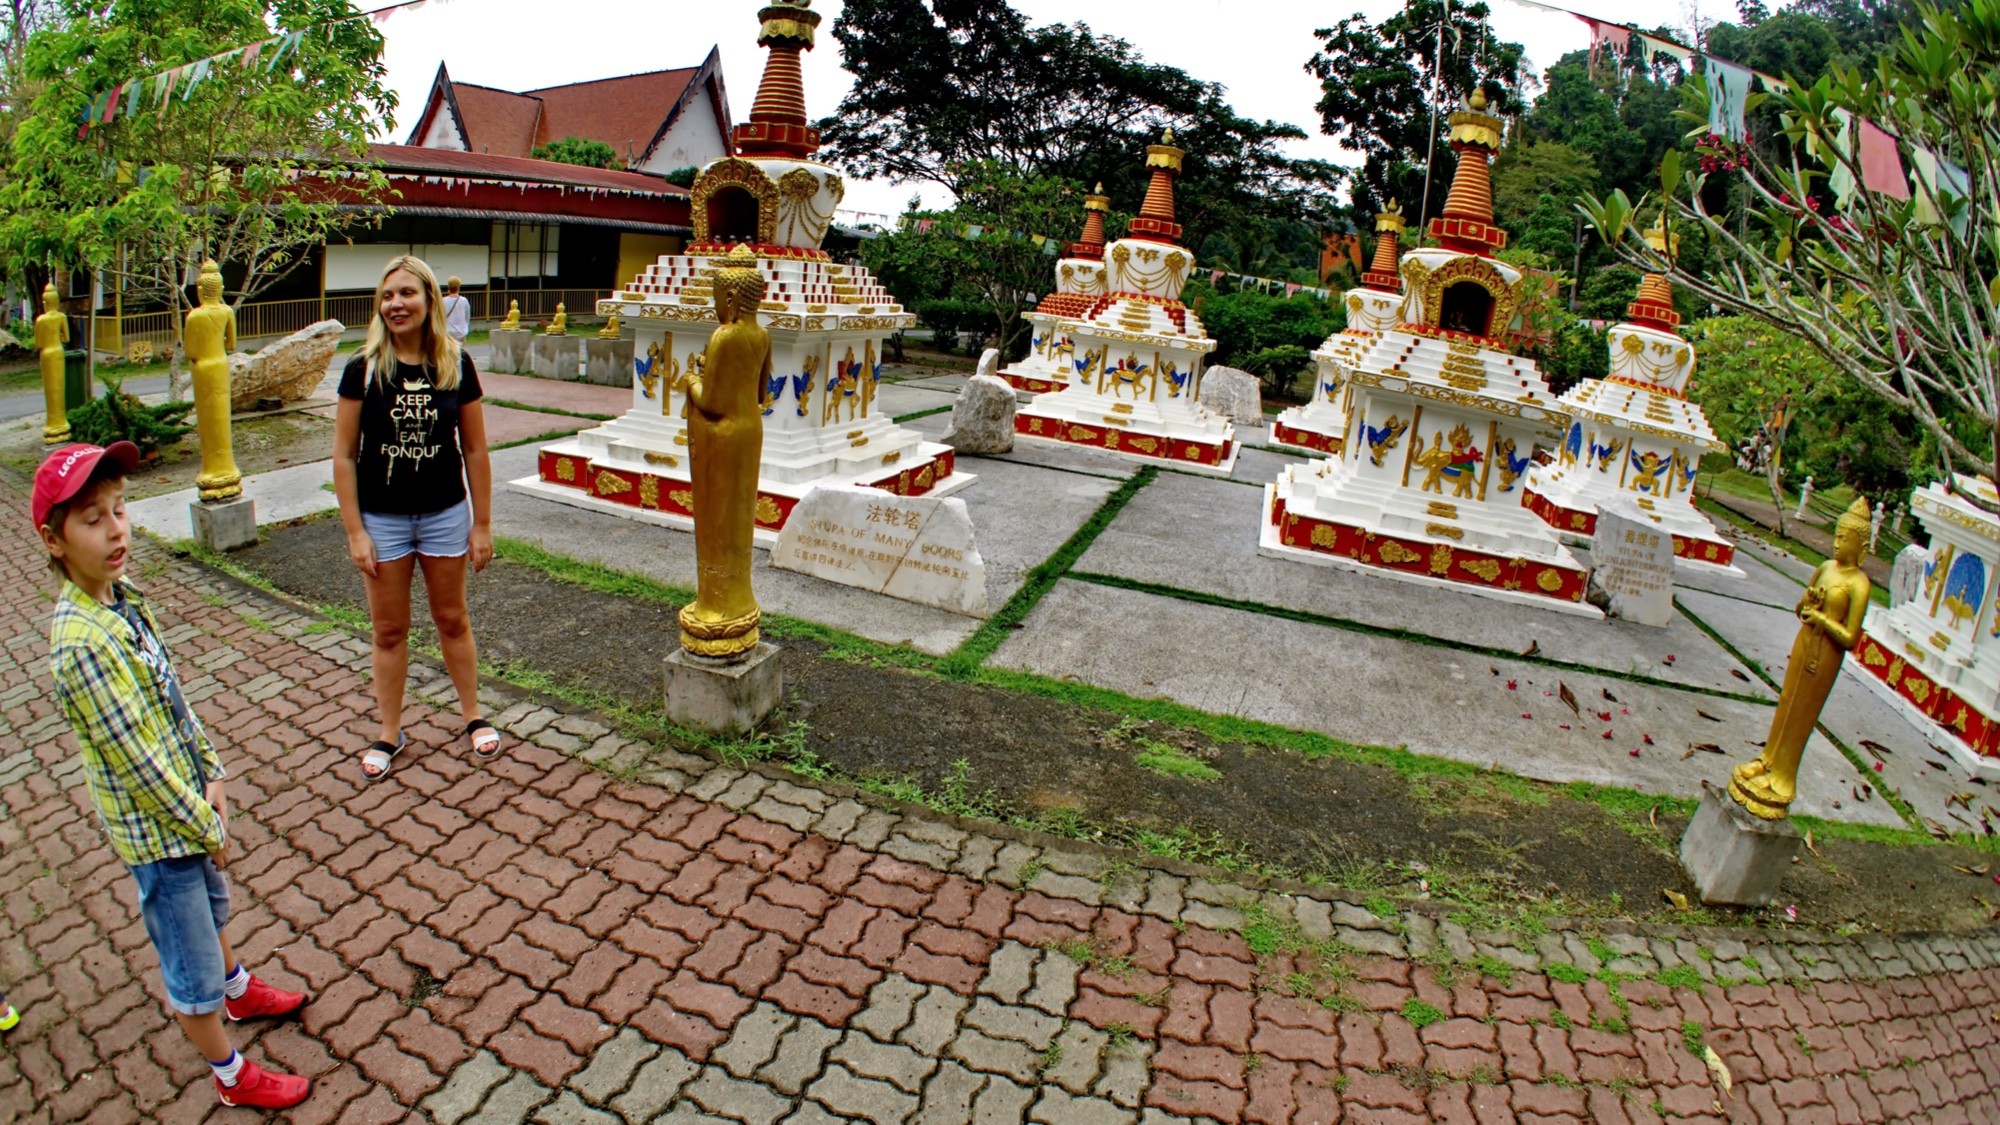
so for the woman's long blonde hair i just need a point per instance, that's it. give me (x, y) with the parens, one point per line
(440, 350)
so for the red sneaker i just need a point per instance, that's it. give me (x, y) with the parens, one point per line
(262, 1000)
(263, 1089)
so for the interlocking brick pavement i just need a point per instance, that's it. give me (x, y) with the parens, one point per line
(538, 941)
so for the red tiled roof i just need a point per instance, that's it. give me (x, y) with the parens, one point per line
(497, 122)
(448, 162)
(625, 113)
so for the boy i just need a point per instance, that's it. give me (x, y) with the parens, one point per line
(156, 780)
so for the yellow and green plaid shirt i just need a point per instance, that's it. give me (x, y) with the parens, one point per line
(145, 770)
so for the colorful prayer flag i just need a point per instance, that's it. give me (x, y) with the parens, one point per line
(1881, 165)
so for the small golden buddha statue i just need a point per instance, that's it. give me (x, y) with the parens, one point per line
(51, 334)
(610, 329)
(210, 335)
(725, 428)
(1830, 614)
(559, 325)
(512, 321)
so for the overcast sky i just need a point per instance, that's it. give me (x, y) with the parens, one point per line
(1255, 48)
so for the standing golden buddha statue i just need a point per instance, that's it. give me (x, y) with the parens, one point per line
(209, 336)
(51, 333)
(725, 444)
(1830, 614)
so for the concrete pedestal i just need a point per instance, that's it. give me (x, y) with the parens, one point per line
(509, 350)
(607, 363)
(1734, 857)
(224, 526)
(723, 697)
(558, 357)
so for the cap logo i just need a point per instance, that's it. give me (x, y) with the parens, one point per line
(69, 462)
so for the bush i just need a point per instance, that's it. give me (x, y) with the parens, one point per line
(948, 318)
(117, 416)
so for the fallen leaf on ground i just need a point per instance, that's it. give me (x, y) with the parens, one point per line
(1679, 900)
(1809, 845)
(1492, 669)
(1738, 673)
(1608, 696)
(1706, 715)
(1568, 698)
(1648, 739)
(1705, 747)
(1607, 735)
(1654, 816)
(1980, 870)
(1875, 748)
(1604, 716)
(1670, 658)
(1534, 648)
(1935, 765)
(1962, 800)
(1717, 1069)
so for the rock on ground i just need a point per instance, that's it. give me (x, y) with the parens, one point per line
(989, 362)
(1234, 394)
(288, 370)
(982, 421)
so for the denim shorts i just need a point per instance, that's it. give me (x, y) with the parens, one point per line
(444, 534)
(184, 903)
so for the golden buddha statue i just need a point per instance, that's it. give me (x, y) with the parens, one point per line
(512, 321)
(51, 333)
(725, 443)
(559, 325)
(610, 329)
(210, 335)
(1830, 614)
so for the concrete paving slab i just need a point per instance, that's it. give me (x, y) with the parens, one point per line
(284, 494)
(893, 399)
(1262, 466)
(1853, 712)
(1198, 534)
(949, 383)
(505, 424)
(581, 398)
(1766, 580)
(1020, 514)
(1371, 689)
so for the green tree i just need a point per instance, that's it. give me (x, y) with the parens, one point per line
(1270, 336)
(946, 85)
(1526, 172)
(1000, 266)
(1901, 297)
(577, 150)
(250, 167)
(1383, 94)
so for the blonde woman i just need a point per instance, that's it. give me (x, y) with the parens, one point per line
(416, 489)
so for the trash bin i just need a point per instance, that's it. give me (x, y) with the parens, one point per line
(76, 378)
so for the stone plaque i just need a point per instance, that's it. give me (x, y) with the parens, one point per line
(1634, 560)
(1906, 577)
(916, 548)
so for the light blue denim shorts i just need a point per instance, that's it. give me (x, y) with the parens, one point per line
(185, 903)
(444, 534)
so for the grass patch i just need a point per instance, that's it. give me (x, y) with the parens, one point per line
(1171, 761)
(534, 409)
(1565, 972)
(545, 435)
(1680, 976)
(1420, 1014)
(913, 415)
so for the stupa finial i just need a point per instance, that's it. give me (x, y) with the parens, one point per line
(1155, 220)
(1467, 222)
(1381, 273)
(777, 125)
(1654, 305)
(1091, 243)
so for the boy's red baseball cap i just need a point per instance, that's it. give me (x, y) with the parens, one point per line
(69, 467)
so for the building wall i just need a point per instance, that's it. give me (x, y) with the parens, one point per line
(637, 251)
(443, 133)
(692, 141)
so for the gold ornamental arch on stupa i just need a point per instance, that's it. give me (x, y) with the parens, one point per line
(733, 175)
(1468, 270)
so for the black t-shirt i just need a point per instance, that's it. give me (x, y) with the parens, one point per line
(410, 463)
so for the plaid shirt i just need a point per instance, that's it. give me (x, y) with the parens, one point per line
(145, 772)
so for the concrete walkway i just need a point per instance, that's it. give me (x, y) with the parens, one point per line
(592, 930)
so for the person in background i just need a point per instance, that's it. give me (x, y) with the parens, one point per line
(415, 484)
(152, 772)
(457, 312)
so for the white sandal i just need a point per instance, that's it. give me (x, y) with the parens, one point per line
(485, 739)
(376, 759)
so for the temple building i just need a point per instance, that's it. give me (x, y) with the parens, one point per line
(1318, 426)
(827, 323)
(1635, 433)
(1134, 350)
(1051, 358)
(1935, 651)
(1441, 424)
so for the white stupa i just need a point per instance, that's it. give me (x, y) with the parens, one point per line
(1052, 356)
(1441, 423)
(1634, 433)
(1138, 351)
(827, 324)
(1935, 652)
(1320, 426)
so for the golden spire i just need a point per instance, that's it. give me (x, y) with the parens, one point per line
(1091, 244)
(1155, 220)
(1467, 222)
(1381, 273)
(1654, 306)
(777, 125)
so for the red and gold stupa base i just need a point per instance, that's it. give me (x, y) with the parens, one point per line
(1313, 440)
(762, 250)
(1574, 522)
(1440, 561)
(1111, 438)
(1031, 385)
(1979, 732)
(650, 492)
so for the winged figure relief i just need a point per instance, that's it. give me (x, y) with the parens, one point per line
(642, 368)
(1605, 454)
(1381, 439)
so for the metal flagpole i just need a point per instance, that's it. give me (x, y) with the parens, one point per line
(1430, 154)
